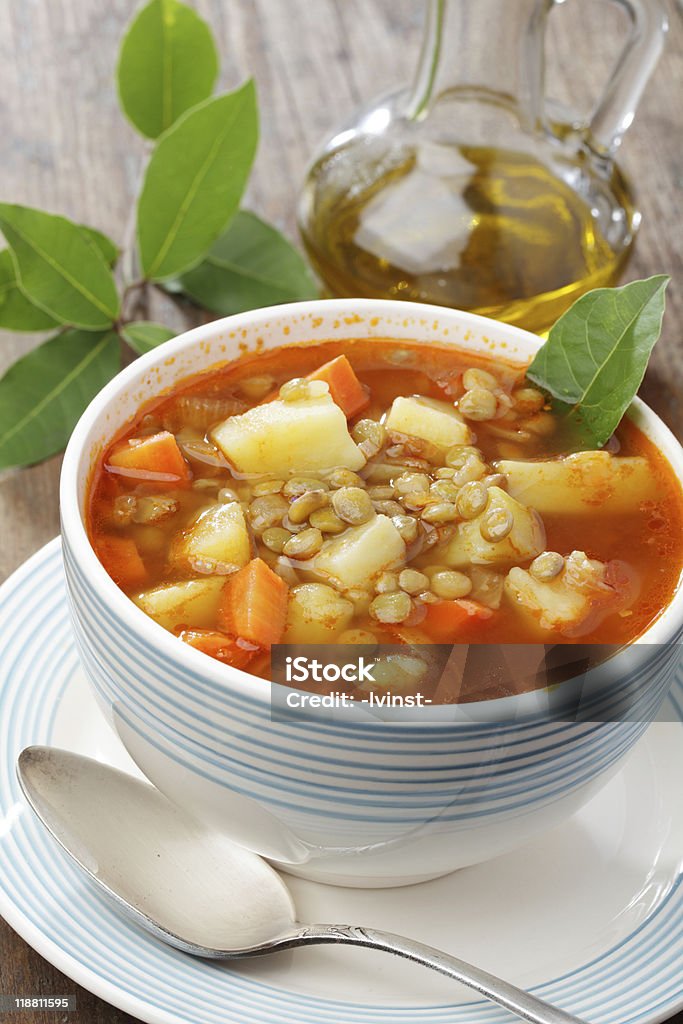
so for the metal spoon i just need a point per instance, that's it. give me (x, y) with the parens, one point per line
(197, 890)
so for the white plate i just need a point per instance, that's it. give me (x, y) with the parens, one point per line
(589, 917)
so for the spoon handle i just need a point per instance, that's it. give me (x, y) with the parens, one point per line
(526, 1006)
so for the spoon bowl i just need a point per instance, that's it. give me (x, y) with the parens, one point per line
(192, 887)
(197, 890)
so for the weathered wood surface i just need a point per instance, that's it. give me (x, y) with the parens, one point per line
(64, 146)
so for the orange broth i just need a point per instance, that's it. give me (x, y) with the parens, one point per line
(649, 538)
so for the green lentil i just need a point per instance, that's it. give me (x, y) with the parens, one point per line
(353, 505)
(275, 538)
(496, 524)
(345, 478)
(445, 489)
(476, 378)
(389, 508)
(440, 512)
(267, 511)
(412, 581)
(369, 432)
(300, 484)
(448, 584)
(394, 607)
(302, 507)
(304, 544)
(528, 400)
(387, 582)
(478, 404)
(547, 565)
(472, 499)
(473, 469)
(267, 487)
(459, 454)
(327, 520)
(411, 483)
(299, 389)
(381, 493)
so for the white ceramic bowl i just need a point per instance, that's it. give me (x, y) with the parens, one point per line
(354, 803)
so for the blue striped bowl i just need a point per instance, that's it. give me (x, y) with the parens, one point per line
(350, 800)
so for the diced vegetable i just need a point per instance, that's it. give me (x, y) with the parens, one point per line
(121, 558)
(576, 600)
(316, 614)
(217, 541)
(345, 388)
(254, 604)
(487, 586)
(430, 420)
(445, 620)
(220, 646)
(158, 454)
(587, 483)
(392, 607)
(285, 437)
(201, 411)
(190, 603)
(525, 539)
(362, 552)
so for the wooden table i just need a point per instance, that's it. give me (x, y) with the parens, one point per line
(64, 146)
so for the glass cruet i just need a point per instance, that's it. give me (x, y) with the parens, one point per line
(470, 189)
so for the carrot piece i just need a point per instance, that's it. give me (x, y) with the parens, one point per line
(445, 619)
(157, 454)
(345, 388)
(121, 558)
(253, 604)
(219, 645)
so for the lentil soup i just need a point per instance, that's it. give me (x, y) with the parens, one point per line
(381, 492)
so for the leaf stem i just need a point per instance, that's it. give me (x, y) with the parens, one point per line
(134, 302)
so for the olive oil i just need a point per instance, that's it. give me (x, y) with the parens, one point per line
(488, 230)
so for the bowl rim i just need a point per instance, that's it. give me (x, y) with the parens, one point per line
(664, 629)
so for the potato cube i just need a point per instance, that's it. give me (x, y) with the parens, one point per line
(316, 614)
(577, 601)
(587, 483)
(552, 605)
(525, 540)
(219, 535)
(192, 603)
(287, 437)
(360, 553)
(585, 591)
(430, 420)
(487, 586)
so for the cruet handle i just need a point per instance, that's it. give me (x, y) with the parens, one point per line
(614, 112)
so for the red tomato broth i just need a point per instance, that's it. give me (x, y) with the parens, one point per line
(649, 538)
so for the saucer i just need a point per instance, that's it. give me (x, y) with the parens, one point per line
(589, 916)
